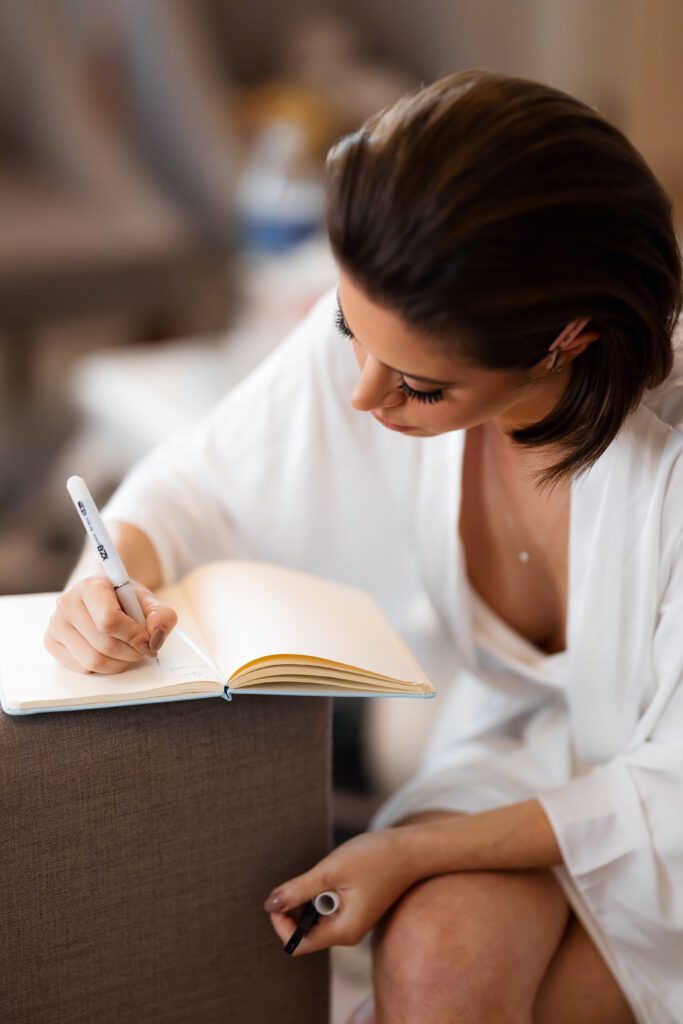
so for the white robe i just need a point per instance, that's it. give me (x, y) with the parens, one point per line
(284, 470)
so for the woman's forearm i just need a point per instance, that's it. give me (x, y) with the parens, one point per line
(137, 553)
(372, 871)
(506, 839)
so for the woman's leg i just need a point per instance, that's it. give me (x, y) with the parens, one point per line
(576, 985)
(479, 908)
(468, 948)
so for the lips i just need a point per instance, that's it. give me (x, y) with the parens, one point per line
(389, 425)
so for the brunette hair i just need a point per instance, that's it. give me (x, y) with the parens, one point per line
(495, 209)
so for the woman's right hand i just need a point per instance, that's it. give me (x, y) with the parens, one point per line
(90, 632)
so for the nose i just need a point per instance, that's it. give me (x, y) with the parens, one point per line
(375, 387)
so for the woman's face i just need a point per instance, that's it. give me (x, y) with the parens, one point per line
(408, 381)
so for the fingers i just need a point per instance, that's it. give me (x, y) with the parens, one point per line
(159, 618)
(89, 631)
(284, 925)
(295, 892)
(92, 607)
(322, 935)
(90, 650)
(62, 654)
(112, 633)
(285, 904)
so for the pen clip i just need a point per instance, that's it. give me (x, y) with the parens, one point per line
(227, 692)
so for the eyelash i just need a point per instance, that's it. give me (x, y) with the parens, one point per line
(420, 396)
(429, 397)
(341, 325)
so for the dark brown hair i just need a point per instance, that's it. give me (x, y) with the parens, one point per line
(496, 210)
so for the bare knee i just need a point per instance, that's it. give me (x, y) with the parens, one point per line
(438, 957)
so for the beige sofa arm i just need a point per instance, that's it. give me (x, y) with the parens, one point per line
(137, 846)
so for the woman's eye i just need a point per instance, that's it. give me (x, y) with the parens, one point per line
(341, 325)
(420, 396)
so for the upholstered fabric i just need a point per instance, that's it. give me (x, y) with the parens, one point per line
(137, 846)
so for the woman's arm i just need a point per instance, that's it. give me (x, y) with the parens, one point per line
(137, 553)
(371, 871)
(89, 631)
(509, 838)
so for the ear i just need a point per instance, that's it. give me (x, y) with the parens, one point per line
(578, 344)
(570, 343)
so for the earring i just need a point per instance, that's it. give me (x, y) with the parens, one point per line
(552, 359)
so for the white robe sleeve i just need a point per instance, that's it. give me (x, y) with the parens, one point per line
(489, 748)
(284, 470)
(170, 495)
(206, 492)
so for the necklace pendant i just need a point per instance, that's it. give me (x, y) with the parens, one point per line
(524, 556)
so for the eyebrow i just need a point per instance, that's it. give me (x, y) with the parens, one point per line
(403, 373)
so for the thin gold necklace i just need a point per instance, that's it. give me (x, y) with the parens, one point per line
(523, 553)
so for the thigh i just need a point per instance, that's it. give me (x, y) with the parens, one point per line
(468, 939)
(579, 986)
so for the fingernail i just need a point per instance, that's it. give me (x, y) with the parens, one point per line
(156, 640)
(274, 902)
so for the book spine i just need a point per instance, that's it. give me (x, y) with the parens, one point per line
(227, 692)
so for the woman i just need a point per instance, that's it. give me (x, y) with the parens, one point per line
(509, 285)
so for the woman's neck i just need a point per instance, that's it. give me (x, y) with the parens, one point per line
(519, 461)
(541, 395)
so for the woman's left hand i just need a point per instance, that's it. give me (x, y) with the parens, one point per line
(369, 872)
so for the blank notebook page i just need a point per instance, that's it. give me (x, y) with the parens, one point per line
(252, 610)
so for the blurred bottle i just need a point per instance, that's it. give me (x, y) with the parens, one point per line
(280, 196)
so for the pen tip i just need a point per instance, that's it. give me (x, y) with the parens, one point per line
(157, 661)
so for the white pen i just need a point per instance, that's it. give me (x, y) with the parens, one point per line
(104, 545)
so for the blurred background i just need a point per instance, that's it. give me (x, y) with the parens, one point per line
(161, 210)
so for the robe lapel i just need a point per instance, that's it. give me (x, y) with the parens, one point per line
(612, 601)
(612, 598)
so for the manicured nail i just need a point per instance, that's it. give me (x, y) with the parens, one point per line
(156, 640)
(274, 902)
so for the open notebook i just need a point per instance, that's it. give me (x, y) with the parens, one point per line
(242, 626)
